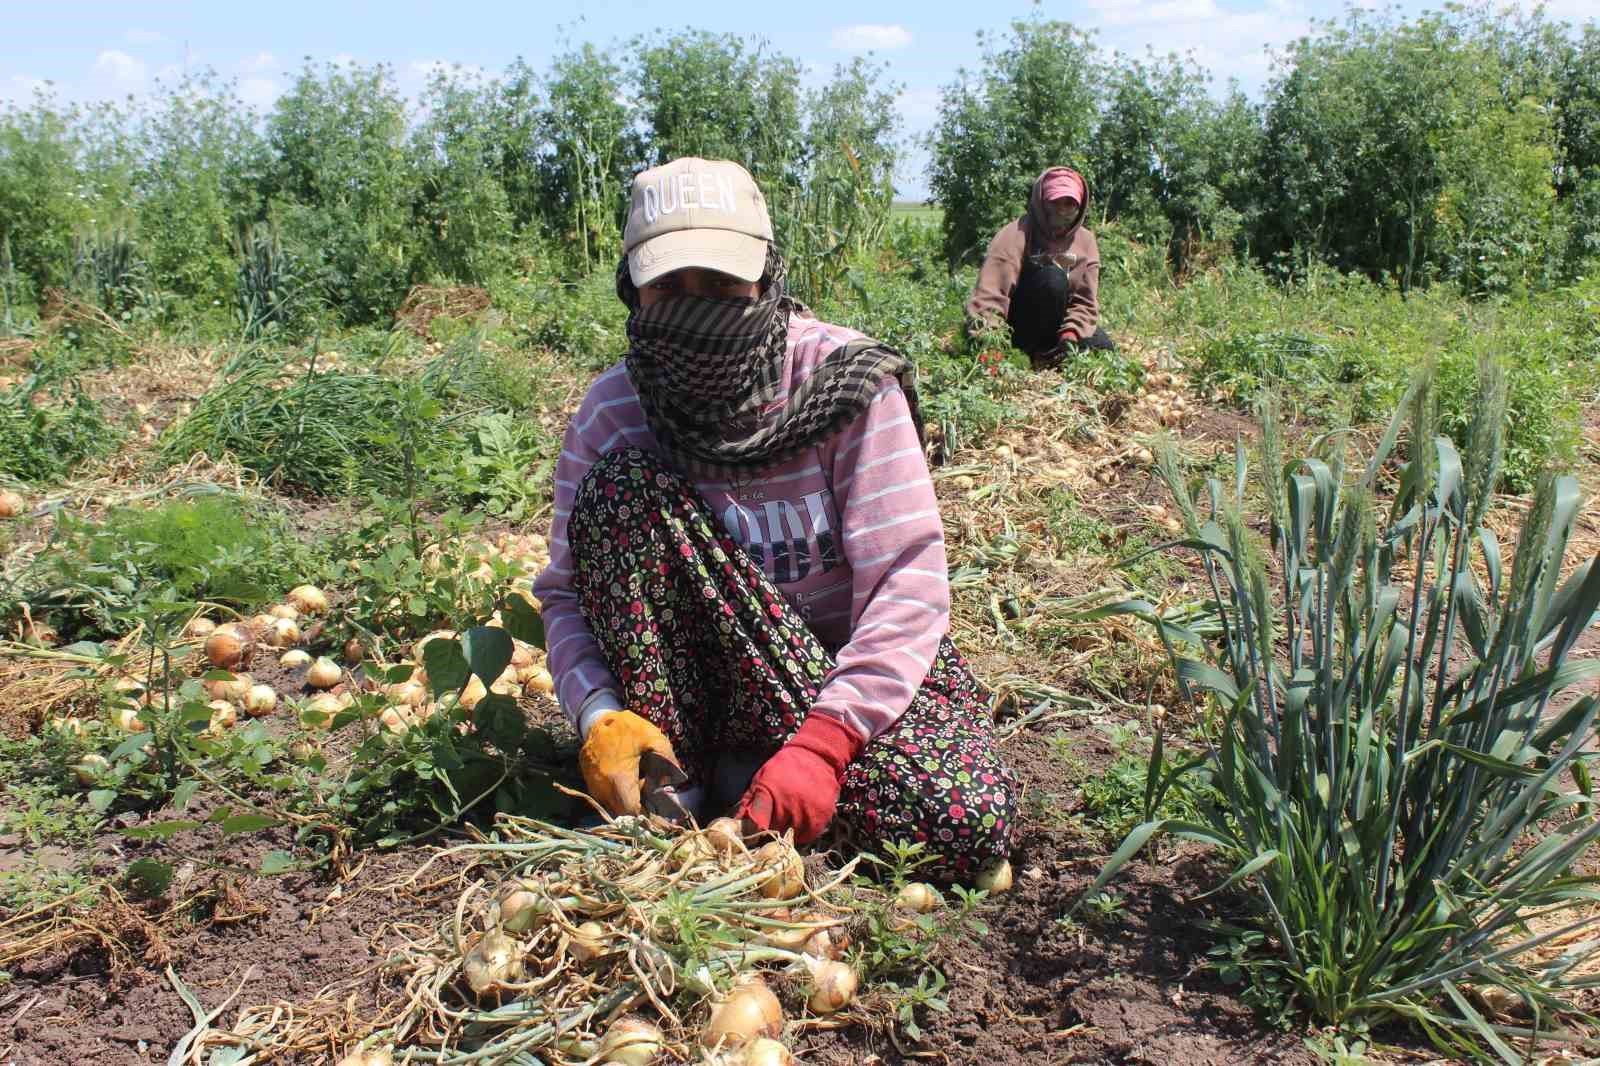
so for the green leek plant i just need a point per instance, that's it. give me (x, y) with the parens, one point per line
(1401, 784)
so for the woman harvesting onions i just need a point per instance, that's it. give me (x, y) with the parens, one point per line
(747, 563)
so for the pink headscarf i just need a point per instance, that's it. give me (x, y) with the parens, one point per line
(1062, 182)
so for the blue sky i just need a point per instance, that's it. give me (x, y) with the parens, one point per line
(99, 50)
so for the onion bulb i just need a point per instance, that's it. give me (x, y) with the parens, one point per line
(302, 750)
(493, 962)
(284, 610)
(996, 879)
(199, 627)
(520, 905)
(322, 708)
(11, 504)
(235, 688)
(918, 897)
(631, 1042)
(230, 647)
(750, 1011)
(407, 694)
(223, 715)
(71, 725)
(788, 878)
(294, 658)
(285, 633)
(833, 986)
(354, 651)
(589, 942)
(726, 835)
(127, 720)
(308, 599)
(539, 682)
(395, 719)
(90, 767)
(765, 1051)
(260, 701)
(437, 634)
(473, 694)
(324, 673)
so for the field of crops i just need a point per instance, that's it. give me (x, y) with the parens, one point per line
(1286, 606)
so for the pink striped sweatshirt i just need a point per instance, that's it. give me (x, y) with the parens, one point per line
(848, 530)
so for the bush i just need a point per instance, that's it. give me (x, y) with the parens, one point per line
(48, 426)
(98, 578)
(1403, 784)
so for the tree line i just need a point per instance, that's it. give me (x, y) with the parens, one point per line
(1460, 146)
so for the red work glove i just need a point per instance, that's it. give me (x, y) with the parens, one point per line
(1067, 336)
(798, 788)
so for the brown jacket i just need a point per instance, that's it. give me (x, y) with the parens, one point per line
(1075, 250)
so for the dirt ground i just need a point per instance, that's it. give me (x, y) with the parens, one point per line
(1034, 989)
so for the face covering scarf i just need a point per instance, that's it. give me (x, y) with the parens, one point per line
(708, 373)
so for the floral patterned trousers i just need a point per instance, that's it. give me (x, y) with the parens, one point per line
(707, 648)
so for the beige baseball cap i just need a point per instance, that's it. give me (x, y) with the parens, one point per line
(695, 212)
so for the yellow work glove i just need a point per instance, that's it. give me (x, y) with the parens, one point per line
(609, 759)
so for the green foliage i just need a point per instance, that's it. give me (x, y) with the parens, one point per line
(1030, 105)
(582, 181)
(47, 426)
(462, 206)
(1403, 777)
(270, 288)
(97, 578)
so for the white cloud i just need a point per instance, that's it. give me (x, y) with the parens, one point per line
(1162, 12)
(1227, 44)
(122, 68)
(259, 62)
(871, 36)
(143, 37)
(259, 92)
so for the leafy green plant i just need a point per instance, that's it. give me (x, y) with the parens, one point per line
(99, 578)
(1404, 788)
(270, 286)
(48, 424)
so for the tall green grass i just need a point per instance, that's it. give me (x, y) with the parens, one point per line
(1406, 784)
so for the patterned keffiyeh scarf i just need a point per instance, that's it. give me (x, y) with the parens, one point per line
(708, 373)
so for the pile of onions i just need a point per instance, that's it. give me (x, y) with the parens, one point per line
(749, 1012)
(493, 962)
(632, 1042)
(11, 504)
(230, 647)
(308, 599)
(324, 673)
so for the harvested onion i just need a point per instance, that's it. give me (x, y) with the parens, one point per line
(294, 658)
(833, 986)
(308, 599)
(765, 1051)
(285, 633)
(90, 767)
(407, 694)
(71, 724)
(726, 835)
(631, 1042)
(540, 682)
(589, 942)
(324, 673)
(519, 906)
(750, 1011)
(322, 708)
(788, 877)
(284, 610)
(230, 647)
(199, 627)
(260, 701)
(127, 720)
(11, 504)
(223, 715)
(996, 879)
(919, 898)
(235, 688)
(395, 719)
(493, 962)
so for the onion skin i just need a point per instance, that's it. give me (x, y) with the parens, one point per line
(127, 720)
(589, 943)
(294, 658)
(726, 835)
(284, 610)
(750, 1011)
(199, 627)
(520, 906)
(919, 898)
(285, 633)
(11, 504)
(223, 715)
(788, 878)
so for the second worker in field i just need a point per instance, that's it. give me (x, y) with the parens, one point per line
(747, 567)
(1041, 275)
